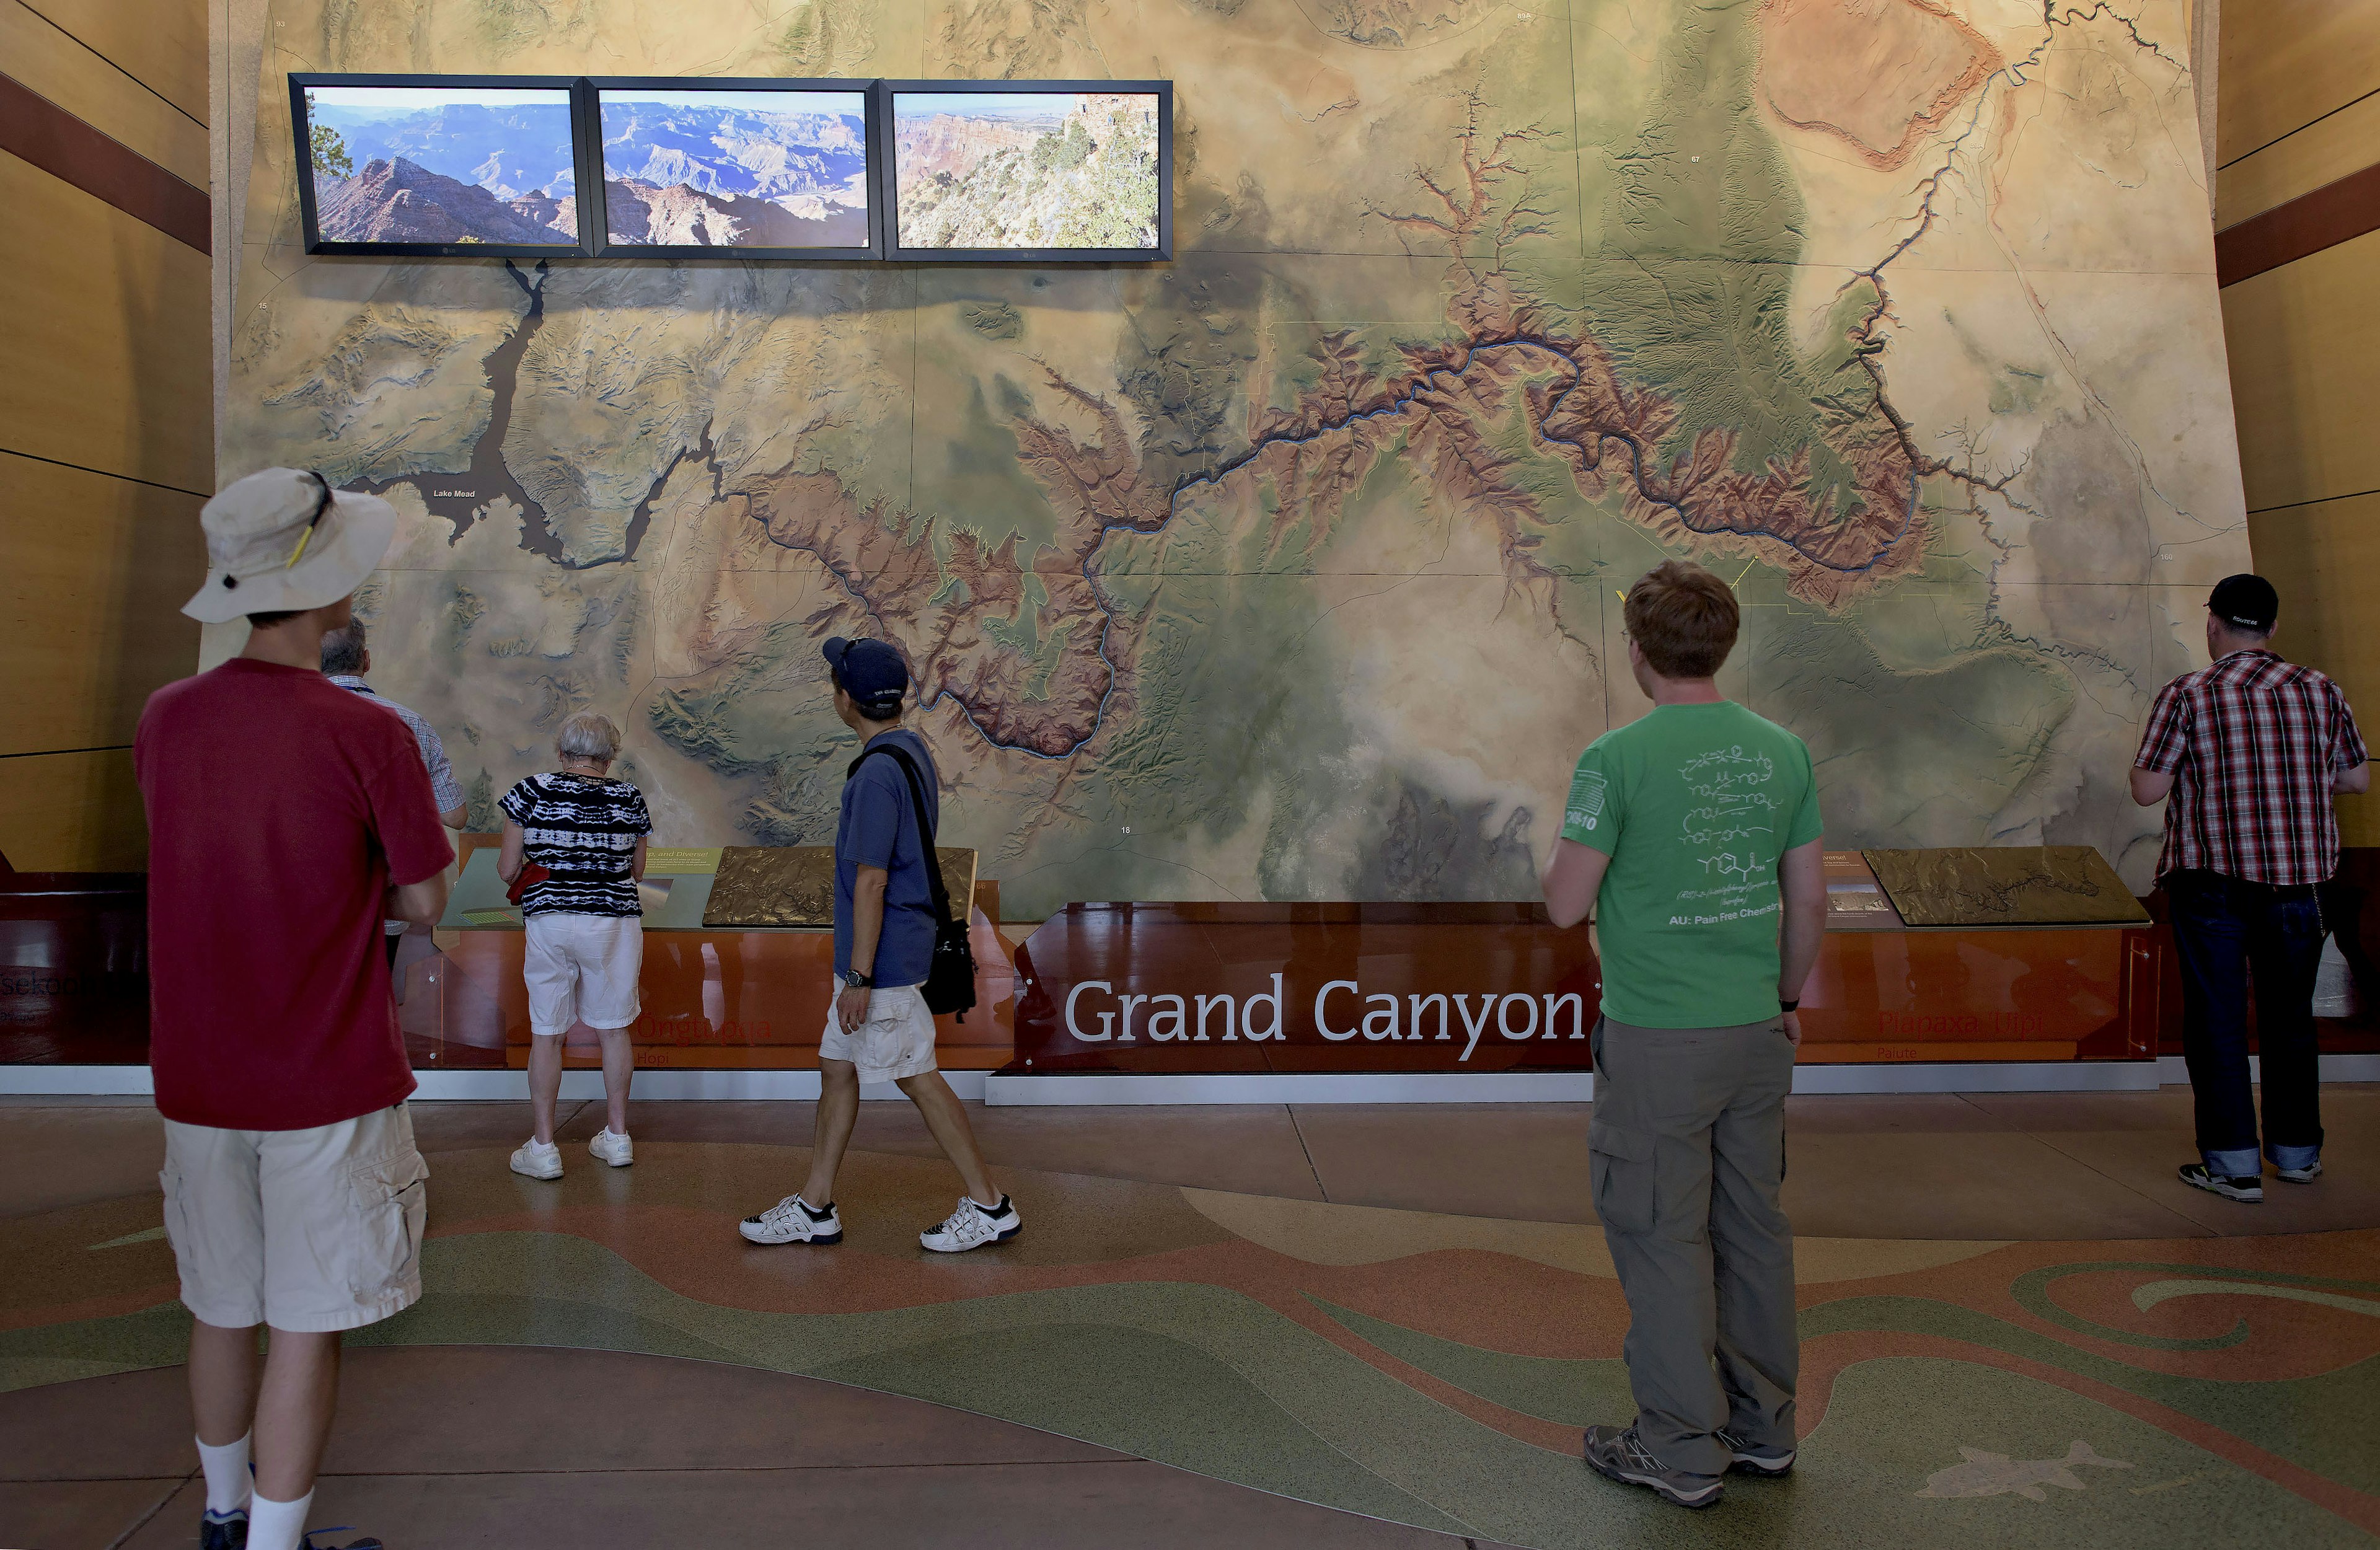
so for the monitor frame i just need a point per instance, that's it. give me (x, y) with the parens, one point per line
(597, 236)
(300, 145)
(889, 172)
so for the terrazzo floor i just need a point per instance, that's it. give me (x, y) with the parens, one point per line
(1249, 1327)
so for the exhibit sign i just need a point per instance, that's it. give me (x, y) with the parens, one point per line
(1253, 988)
(1192, 987)
(735, 168)
(768, 168)
(1002, 171)
(429, 165)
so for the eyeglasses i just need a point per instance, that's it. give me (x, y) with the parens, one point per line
(321, 505)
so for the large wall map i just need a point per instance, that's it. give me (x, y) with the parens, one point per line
(1290, 569)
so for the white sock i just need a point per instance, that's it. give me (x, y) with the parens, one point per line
(228, 1482)
(277, 1525)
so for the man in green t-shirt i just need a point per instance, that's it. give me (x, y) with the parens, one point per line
(1693, 832)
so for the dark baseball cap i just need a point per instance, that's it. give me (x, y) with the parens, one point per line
(871, 673)
(2246, 602)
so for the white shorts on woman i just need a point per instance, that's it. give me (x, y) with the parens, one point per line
(583, 968)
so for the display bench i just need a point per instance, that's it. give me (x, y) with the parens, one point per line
(1885, 990)
(1894, 1004)
(1190, 988)
(742, 998)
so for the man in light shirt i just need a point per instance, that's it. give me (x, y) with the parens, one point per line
(346, 660)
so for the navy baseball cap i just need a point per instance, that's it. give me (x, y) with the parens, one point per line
(2246, 602)
(871, 673)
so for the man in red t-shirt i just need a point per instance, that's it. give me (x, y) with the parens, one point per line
(287, 818)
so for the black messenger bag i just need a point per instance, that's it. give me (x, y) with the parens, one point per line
(949, 983)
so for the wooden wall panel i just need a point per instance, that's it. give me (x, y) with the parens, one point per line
(106, 410)
(76, 812)
(2323, 151)
(2323, 559)
(106, 361)
(2287, 62)
(2300, 109)
(93, 573)
(161, 44)
(56, 64)
(2304, 342)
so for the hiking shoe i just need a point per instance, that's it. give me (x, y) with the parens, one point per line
(2305, 1175)
(307, 1541)
(972, 1226)
(793, 1220)
(1770, 1463)
(2249, 1191)
(611, 1146)
(227, 1532)
(1621, 1456)
(538, 1159)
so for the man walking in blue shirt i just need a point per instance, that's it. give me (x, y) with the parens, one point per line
(880, 1029)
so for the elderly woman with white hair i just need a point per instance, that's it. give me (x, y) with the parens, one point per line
(579, 836)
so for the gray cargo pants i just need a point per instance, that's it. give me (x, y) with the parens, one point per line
(1687, 1148)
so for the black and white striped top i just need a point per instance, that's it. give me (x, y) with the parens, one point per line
(583, 830)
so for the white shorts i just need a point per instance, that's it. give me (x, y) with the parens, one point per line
(897, 1040)
(309, 1231)
(583, 967)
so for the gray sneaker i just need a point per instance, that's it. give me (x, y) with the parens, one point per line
(2248, 1190)
(1621, 1456)
(1770, 1463)
(2305, 1175)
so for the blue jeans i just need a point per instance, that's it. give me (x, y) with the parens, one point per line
(2225, 928)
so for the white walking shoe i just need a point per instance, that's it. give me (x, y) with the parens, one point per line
(793, 1220)
(611, 1146)
(972, 1226)
(538, 1159)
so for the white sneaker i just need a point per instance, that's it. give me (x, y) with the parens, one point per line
(611, 1146)
(793, 1220)
(972, 1226)
(538, 1159)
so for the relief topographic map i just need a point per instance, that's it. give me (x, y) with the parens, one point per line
(1290, 569)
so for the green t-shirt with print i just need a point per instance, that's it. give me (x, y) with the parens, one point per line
(1694, 804)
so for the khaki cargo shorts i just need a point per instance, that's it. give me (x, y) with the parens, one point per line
(310, 1230)
(895, 1043)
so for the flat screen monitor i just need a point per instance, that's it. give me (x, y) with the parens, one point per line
(437, 164)
(1034, 172)
(737, 168)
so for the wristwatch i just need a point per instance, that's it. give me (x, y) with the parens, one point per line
(1784, 1005)
(857, 980)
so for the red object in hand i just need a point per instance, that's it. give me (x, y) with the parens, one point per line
(531, 874)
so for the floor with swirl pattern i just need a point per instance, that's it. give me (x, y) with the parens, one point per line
(1256, 1326)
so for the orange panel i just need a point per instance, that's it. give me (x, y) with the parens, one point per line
(712, 999)
(1814, 1053)
(2032, 991)
(1454, 988)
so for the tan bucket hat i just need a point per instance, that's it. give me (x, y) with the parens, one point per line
(283, 540)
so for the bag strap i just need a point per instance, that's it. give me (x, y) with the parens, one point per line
(925, 824)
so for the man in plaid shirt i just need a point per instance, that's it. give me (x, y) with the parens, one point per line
(2250, 750)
